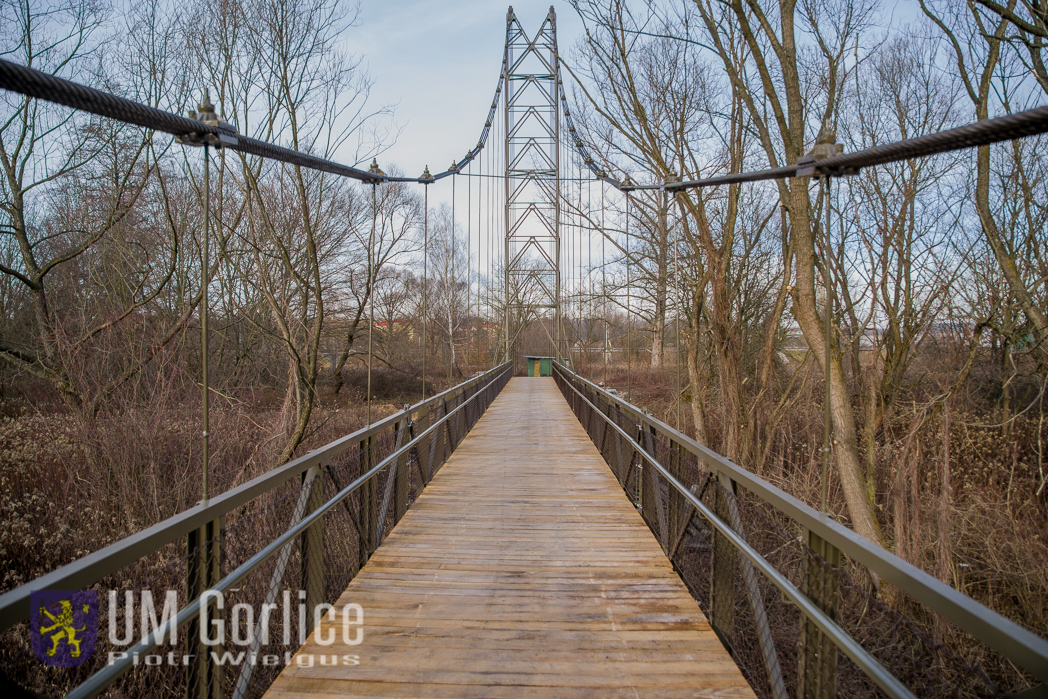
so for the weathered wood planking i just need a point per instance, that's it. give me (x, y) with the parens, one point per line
(522, 570)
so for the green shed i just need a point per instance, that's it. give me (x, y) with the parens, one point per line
(540, 366)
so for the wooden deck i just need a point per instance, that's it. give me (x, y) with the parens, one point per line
(523, 570)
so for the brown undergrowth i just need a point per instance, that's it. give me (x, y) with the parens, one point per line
(964, 488)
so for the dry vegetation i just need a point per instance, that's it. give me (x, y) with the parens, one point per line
(70, 488)
(938, 354)
(972, 512)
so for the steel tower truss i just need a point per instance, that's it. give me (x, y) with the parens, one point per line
(532, 179)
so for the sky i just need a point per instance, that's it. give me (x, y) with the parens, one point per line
(438, 62)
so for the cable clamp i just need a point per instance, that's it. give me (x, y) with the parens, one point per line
(826, 146)
(227, 133)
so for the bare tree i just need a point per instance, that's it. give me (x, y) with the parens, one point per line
(447, 287)
(978, 42)
(662, 112)
(278, 71)
(386, 227)
(893, 263)
(86, 201)
(768, 61)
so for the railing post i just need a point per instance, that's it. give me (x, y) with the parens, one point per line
(644, 494)
(460, 419)
(640, 470)
(591, 421)
(394, 493)
(659, 490)
(402, 473)
(451, 436)
(312, 546)
(368, 500)
(204, 677)
(654, 495)
(817, 671)
(675, 507)
(416, 453)
(605, 430)
(722, 569)
(435, 438)
(618, 446)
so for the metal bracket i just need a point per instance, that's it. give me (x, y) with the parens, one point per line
(227, 133)
(826, 146)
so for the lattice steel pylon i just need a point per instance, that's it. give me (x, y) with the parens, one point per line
(532, 182)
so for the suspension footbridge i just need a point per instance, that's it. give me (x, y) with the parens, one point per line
(522, 569)
(513, 535)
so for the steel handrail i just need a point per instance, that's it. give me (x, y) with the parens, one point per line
(848, 645)
(107, 675)
(1026, 649)
(87, 571)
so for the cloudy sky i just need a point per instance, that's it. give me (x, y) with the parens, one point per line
(438, 62)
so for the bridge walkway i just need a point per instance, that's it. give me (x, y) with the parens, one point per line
(522, 570)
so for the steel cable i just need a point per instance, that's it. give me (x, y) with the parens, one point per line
(34, 83)
(980, 133)
(984, 132)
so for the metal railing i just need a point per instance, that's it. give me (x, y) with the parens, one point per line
(789, 590)
(306, 527)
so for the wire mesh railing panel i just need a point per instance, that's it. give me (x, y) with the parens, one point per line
(242, 590)
(784, 650)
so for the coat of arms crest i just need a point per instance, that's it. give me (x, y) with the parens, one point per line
(63, 625)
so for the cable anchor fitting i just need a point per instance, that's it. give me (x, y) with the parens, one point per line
(826, 146)
(205, 113)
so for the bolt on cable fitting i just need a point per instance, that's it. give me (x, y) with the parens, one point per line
(205, 113)
(826, 146)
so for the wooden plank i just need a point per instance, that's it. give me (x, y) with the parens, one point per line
(522, 567)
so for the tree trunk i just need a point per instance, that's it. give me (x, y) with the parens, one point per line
(805, 310)
(695, 376)
(658, 329)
